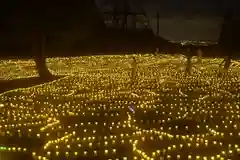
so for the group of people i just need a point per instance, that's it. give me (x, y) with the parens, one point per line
(225, 63)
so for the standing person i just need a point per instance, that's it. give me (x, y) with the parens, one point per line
(199, 54)
(199, 58)
(134, 69)
(156, 52)
(226, 64)
(189, 58)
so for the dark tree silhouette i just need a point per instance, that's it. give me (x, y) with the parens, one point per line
(39, 57)
(229, 37)
(39, 21)
(40, 25)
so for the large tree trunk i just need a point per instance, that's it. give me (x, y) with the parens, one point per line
(39, 58)
(228, 40)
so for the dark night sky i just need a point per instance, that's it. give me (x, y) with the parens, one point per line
(185, 19)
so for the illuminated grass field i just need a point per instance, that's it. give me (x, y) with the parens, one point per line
(95, 112)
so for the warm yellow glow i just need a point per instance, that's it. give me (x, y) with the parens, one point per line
(96, 108)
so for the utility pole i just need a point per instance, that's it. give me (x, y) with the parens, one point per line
(157, 23)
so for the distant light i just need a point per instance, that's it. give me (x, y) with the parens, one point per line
(131, 108)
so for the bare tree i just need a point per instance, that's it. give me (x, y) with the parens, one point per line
(29, 18)
(55, 20)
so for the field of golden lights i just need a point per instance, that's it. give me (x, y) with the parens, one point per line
(96, 112)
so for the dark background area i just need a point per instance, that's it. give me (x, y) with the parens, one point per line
(70, 26)
(185, 19)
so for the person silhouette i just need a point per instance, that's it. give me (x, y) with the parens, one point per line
(134, 69)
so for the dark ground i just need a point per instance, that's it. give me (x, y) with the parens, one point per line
(6, 85)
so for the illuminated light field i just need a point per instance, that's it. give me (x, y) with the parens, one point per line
(96, 112)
